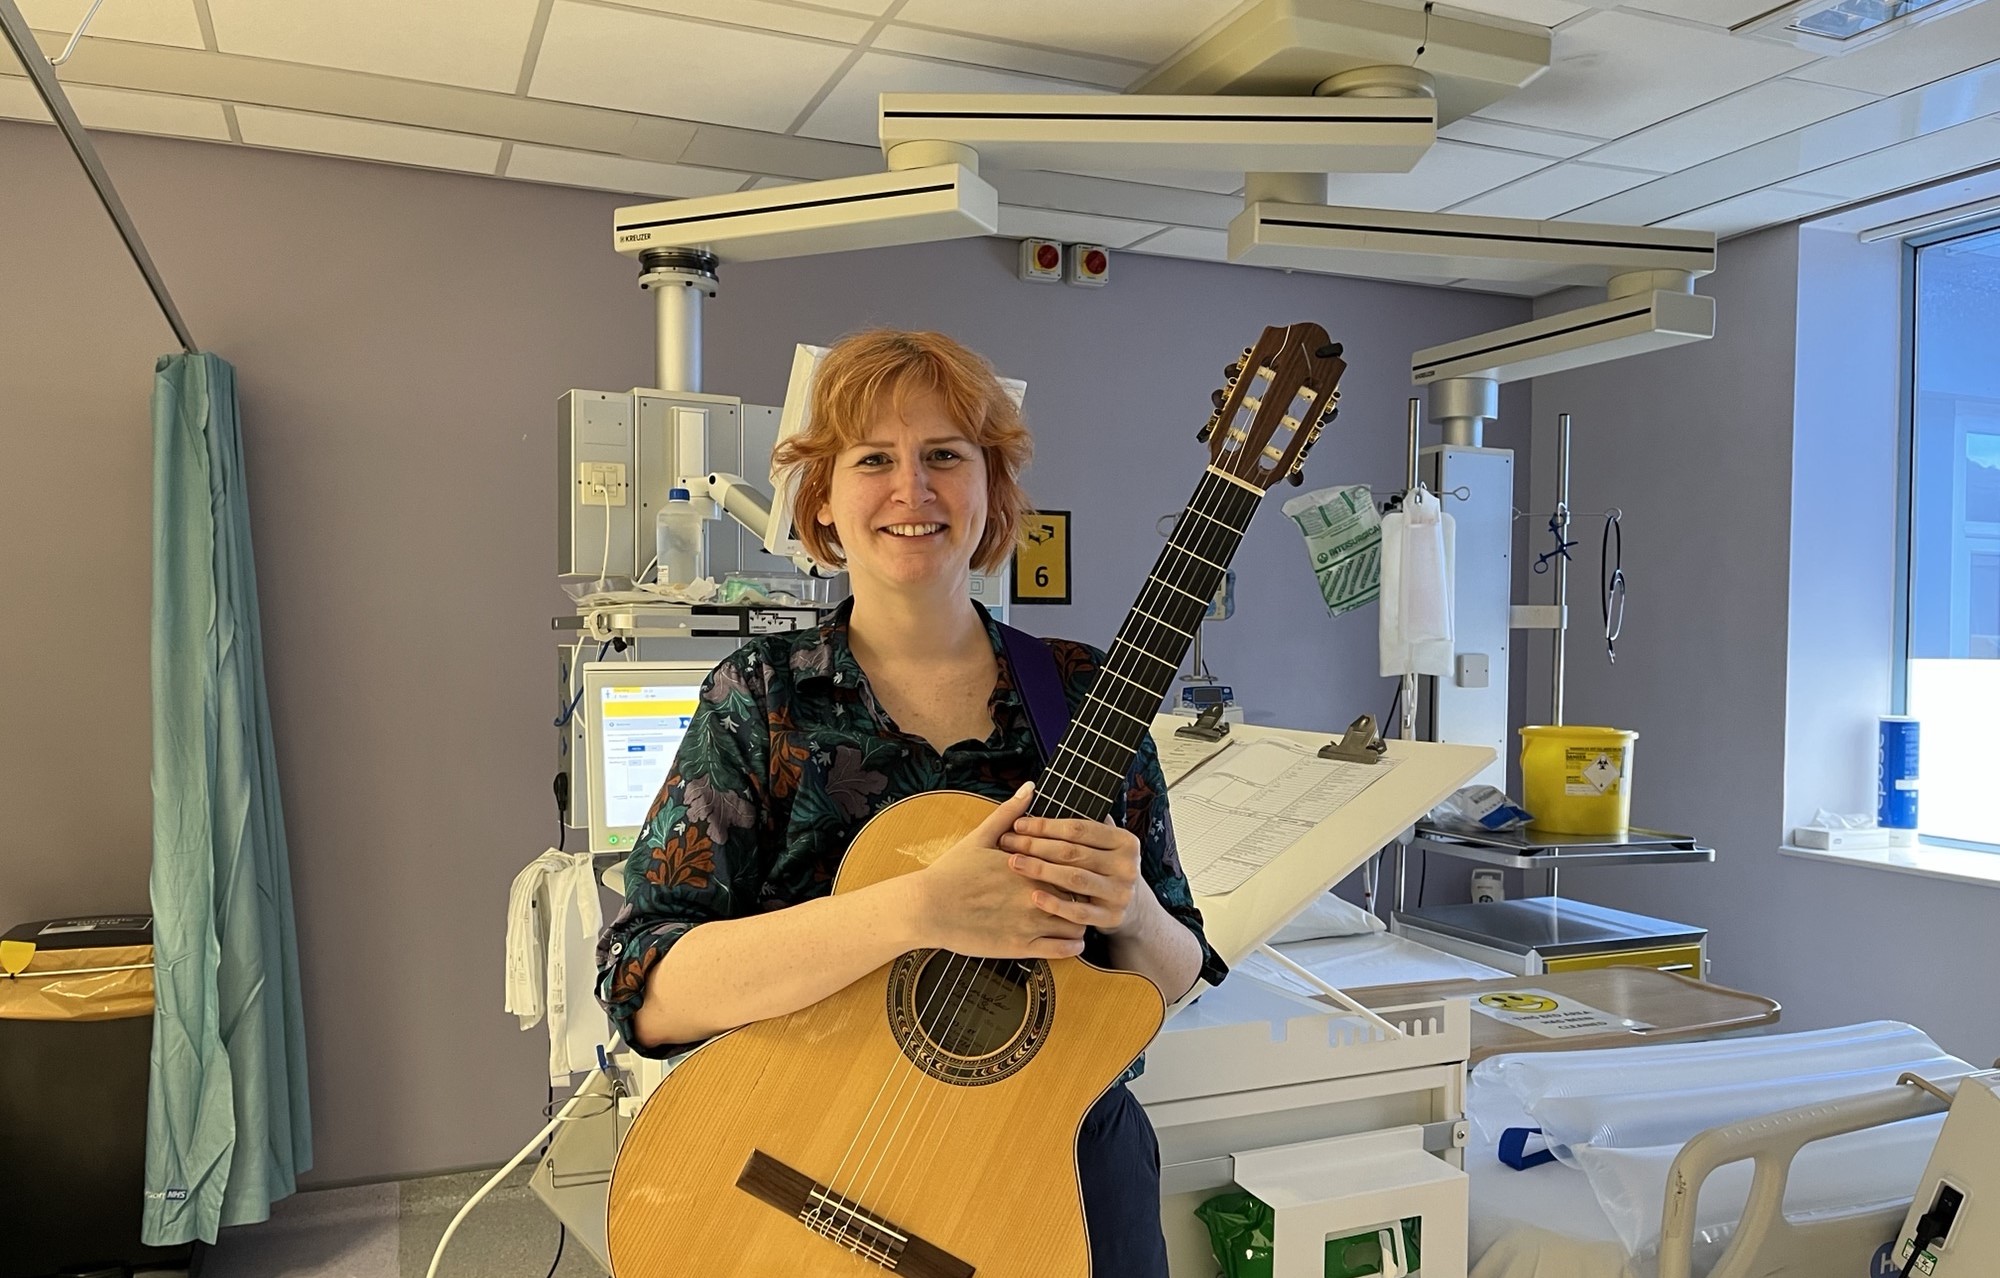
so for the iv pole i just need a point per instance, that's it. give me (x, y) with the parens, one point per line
(37, 66)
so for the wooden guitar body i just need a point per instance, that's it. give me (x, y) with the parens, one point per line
(921, 1121)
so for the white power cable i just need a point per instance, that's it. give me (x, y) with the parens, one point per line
(562, 1116)
(605, 566)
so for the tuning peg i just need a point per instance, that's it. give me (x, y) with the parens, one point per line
(1331, 350)
(1201, 436)
(1219, 398)
(1233, 371)
(1297, 478)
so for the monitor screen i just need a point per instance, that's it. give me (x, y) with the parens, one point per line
(639, 711)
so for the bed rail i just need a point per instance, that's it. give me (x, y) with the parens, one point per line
(1766, 1244)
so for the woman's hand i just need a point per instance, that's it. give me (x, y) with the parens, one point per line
(1088, 871)
(970, 900)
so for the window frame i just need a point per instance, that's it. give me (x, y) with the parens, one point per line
(1906, 496)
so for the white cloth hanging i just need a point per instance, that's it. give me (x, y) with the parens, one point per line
(1419, 550)
(552, 924)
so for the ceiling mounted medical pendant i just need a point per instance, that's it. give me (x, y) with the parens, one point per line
(1462, 406)
(680, 280)
(1279, 47)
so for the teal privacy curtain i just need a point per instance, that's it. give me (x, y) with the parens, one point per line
(227, 1127)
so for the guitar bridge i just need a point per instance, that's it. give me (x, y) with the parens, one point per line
(843, 1221)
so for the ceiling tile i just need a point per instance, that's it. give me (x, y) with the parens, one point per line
(1958, 41)
(147, 21)
(1006, 57)
(1512, 137)
(1187, 241)
(1448, 173)
(19, 101)
(1145, 31)
(366, 140)
(851, 113)
(1784, 160)
(1751, 212)
(120, 110)
(1613, 73)
(1553, 191)
(873, 8)
(618, 173)
(126, 112)
(478, 44)
(1762, 111)
(1712, 13)
(1071, 228)
(1942, 154)
(787, 19)
(724, 75)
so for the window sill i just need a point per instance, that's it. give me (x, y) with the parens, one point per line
(1955, 865)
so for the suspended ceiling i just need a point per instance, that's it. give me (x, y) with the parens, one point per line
(1652, 112)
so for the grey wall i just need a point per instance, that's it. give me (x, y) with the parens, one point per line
(1757, 475)
(401, 338)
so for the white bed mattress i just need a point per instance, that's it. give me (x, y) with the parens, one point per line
(1354, 962)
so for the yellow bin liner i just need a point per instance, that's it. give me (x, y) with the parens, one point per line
(1577, 780)
(99, 983)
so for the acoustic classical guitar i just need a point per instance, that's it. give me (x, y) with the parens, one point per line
(924, 1119)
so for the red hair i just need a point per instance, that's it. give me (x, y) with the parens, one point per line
(865, 371)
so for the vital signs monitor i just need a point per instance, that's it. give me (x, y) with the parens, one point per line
(636, 713)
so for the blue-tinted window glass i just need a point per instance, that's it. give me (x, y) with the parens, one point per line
(1955, 508)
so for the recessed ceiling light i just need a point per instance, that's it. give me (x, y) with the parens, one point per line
(1834, 27)
(1845, 19)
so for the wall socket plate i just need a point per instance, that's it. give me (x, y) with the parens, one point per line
(603, 483)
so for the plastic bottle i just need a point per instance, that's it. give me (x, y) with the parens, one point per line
(677, 539)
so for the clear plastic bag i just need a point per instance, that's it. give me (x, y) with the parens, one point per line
(1504, 1089)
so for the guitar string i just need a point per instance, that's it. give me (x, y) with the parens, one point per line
(967, 969)
(1067, 786)
(922, 1084)
(947, 979)
(1093, 714)
(905, 1073)
(923, 1099)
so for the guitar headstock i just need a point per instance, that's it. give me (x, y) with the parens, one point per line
(1278, 398)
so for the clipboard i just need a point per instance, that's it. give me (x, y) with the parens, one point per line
(1426, 772)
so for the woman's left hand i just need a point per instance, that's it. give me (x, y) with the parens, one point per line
(1090, 870)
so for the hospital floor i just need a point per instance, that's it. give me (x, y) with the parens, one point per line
(390, 1230)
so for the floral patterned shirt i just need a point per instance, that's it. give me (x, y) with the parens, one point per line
(785, 759)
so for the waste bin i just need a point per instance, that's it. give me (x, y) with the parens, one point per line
(76, 1031)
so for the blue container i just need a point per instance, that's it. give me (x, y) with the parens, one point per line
(1896, 773)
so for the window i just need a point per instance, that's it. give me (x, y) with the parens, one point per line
(1953, 640)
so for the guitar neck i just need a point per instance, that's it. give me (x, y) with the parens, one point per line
(1105, 733)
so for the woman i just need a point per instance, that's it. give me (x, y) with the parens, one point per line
(908, 476)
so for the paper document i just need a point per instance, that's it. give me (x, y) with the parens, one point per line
(1181, 755)
(1252, 802)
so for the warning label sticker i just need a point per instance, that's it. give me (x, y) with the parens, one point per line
(1551, 1015)
(1591, 771)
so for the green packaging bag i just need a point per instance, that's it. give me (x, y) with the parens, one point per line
(1239, 1234)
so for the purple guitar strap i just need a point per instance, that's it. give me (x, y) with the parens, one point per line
(1040, 686)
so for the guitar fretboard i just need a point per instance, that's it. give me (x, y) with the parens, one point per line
(1104, 734)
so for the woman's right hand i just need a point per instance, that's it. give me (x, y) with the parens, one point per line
(973, 903)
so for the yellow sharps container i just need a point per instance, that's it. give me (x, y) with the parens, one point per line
(1578, 780)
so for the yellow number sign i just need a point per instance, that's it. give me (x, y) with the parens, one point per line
(1041, 559)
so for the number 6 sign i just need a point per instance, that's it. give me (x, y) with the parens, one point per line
(1041, 559)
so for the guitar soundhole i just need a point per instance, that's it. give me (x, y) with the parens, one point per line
(969, 1021)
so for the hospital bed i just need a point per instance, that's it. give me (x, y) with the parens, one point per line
(1659, 1148)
